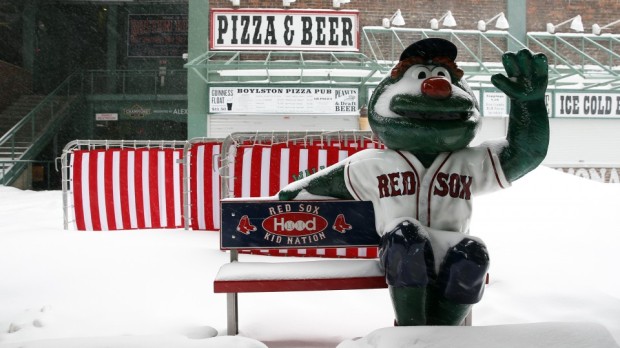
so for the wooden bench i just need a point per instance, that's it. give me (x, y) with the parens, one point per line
(260, 224)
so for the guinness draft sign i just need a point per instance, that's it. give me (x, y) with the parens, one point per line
(273, 29)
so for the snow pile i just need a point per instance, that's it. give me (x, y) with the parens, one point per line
(543, 335)
(553, 240)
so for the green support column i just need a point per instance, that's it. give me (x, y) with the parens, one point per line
(29, 33)
(516, 14)
(198, 42)
(112, 41)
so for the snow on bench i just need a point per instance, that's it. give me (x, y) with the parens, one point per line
(299, 276)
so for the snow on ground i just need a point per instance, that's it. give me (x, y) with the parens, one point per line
(553, 240)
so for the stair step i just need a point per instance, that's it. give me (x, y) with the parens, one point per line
(20, 108)
(16, 144)
(5, 150)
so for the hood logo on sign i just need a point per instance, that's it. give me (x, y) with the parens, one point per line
(294, 224)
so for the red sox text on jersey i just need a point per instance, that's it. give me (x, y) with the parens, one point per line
(404, 183)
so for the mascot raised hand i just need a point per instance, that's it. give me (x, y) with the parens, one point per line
(423, 184)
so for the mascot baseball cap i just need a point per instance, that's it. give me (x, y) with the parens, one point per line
(430, 48)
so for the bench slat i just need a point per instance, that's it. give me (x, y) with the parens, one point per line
(238, 286)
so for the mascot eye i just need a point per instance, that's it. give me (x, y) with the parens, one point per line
(420, 72)
(441, 72)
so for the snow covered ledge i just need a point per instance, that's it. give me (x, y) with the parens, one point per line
(323, 269)
(535, 335)
(299, 276)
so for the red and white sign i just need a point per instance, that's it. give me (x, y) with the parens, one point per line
(274, 29)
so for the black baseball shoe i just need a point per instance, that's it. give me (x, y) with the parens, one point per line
(406, 256)
(462, 273)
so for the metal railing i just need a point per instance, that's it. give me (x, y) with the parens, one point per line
(18, 142)
(592, 60)
(294, 67)
(379, 51)
(479, 52)
(75, 145)
(136, 82)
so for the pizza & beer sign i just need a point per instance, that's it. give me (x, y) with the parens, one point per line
(274, 29)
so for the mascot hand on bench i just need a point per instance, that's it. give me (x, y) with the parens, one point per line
(423, 184)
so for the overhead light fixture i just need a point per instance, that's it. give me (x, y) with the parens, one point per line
(337, 3)
(287, 3)
(501, 23)
(575, 24)
(448, 21)
(396, 19)
(236, 3)
(596, 29)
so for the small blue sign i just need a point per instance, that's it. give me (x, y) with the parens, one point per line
(260, 224)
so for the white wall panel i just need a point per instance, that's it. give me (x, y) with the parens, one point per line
(220, 125)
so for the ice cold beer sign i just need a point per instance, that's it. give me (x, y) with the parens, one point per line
(312, 30)
(587, 105)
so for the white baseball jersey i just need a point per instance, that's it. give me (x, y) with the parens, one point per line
(438, 197)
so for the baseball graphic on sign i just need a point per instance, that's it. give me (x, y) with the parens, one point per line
(423, 184)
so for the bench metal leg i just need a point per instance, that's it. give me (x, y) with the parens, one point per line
(232, 307)
(232, 314)
(468, 319)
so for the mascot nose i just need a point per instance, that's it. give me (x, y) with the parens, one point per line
(437, 88)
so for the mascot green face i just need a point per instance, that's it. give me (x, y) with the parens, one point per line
(425, 106)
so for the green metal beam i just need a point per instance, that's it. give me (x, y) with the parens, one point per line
(198, 44)
(516, 14)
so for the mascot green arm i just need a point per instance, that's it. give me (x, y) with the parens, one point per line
(328, 182)
(528, 127)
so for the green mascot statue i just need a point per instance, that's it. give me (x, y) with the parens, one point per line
(422, 185)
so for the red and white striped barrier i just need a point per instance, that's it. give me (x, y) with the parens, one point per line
(204, 185)
(127, 188)
(261, 170)
(140, 188)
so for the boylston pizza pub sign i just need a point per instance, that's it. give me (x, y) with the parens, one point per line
(274, 29)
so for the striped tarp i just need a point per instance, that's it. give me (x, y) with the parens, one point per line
(117, 189)
(141, 188)
(204, 185)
